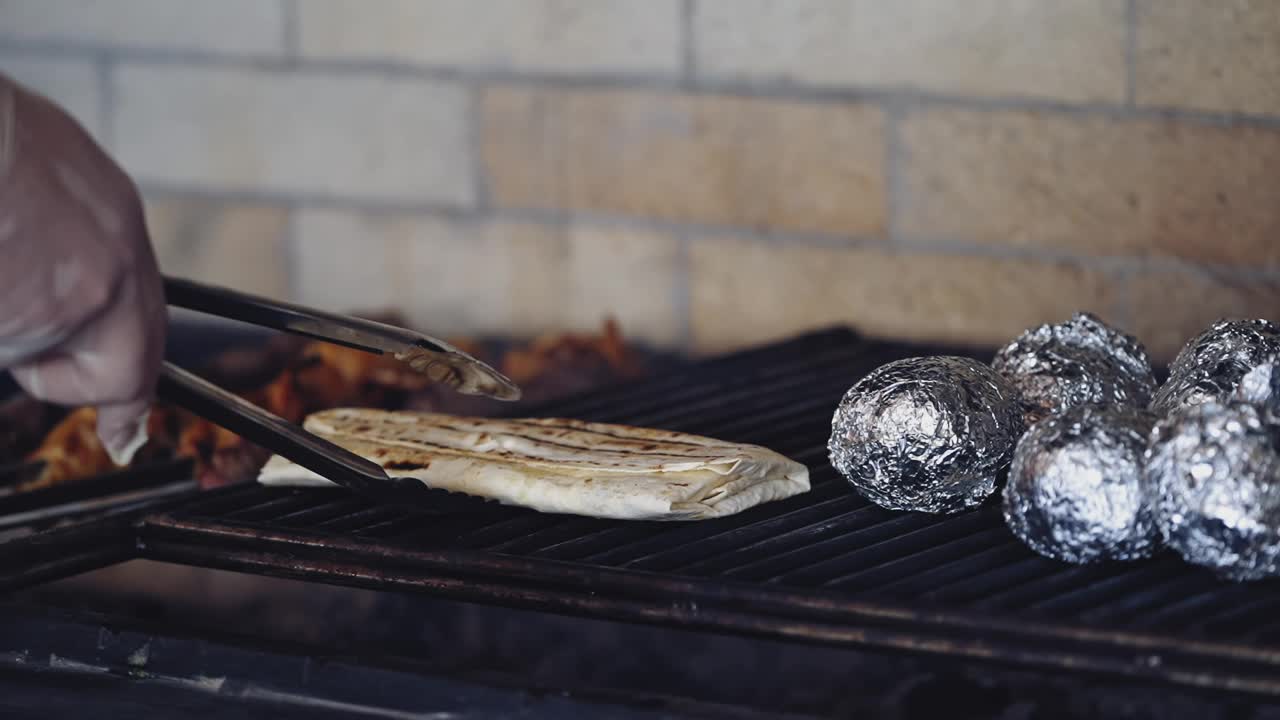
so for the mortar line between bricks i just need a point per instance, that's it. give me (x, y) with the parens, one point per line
(693, 232)
(290, 40)
(688, 52)
(1130, 52)
(683, 300)
(475, 143)
(309, 201)
(1122, 306)
(775, 88)
(894, 180)
(292, 251)
(1130, 263)
(104, 72)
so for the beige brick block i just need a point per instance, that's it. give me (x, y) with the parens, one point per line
(484, 277)
(1072, 51)
(448, 276)
(748, 292)
(367, 137)
(1093, 185)
(72, 84)
(575, 36)
(1209, 55)
(346, 262)
(227, 26)
(1169, 308)
(467, 276)
(235, 245)
(528, 278)
(705, 159)
(633, 275)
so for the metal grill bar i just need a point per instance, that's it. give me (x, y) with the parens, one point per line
(710, 553)
(274, 509)
(1124, 584)
(1047, 586)
(1245, 616)
(898, 535)
(813, 616)
(935, 558)
(756, 367)
(824, 567)
(1128, 608)
(1181, 613)
(63, 552)
(934, 584)
(360, 519)
(986, 584)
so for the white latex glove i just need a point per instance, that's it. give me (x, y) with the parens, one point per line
(82, 312)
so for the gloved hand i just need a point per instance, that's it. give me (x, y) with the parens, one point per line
(82, 311)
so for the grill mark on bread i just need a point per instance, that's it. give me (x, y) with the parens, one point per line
(587, 448)
(599, 463)
(605, 471)
(654, 437)
(407, 465)
(396, 436)
(596, 431)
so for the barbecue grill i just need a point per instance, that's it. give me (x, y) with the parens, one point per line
(826, 567)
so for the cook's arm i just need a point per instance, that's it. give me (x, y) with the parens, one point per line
(82, 312)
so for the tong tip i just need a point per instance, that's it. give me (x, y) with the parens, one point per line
(466, 374)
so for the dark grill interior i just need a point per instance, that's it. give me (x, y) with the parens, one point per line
(825, 567)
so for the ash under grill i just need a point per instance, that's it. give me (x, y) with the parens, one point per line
(825, 567)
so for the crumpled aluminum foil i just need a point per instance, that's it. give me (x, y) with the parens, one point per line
(1211, 365)
(1081, 361)
(1213, 474)
(1261, 386)
(928, 434)
(1075, 486)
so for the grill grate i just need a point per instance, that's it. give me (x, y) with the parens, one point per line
(825, 567)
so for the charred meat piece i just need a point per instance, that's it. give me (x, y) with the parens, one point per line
(552, 366)
(23, 422)
(232, 465)
(560, 365)
(292, 377)
(72, 449)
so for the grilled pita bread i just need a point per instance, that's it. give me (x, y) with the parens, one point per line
(558, 466)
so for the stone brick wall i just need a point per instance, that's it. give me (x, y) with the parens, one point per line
(713, 172)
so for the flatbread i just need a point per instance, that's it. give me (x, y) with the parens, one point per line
(558, 466)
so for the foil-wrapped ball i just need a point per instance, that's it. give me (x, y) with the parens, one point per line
(1075, 489)
(1210, 365)
(1213, 475)
(1261, 386)
(929, 434)
(1081, 361)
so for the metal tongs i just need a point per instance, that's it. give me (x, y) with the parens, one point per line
(439, 360)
